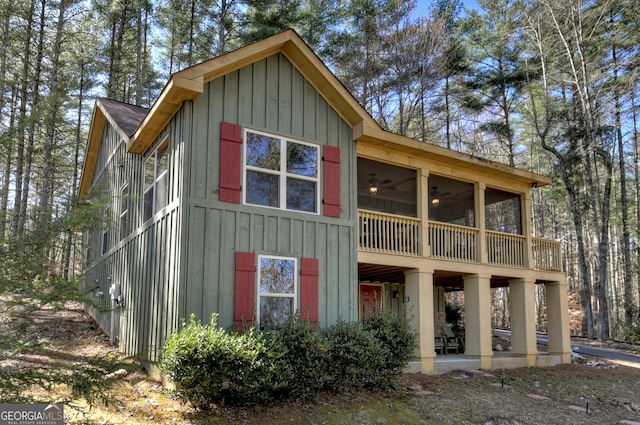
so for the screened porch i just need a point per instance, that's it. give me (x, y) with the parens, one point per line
(466, 221)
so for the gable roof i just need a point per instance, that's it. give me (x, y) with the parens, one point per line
(139, 127)
(189, 83)
(123, 117)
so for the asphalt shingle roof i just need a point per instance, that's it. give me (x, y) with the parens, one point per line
(127, 117)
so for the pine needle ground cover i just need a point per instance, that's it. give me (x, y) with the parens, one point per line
(128, 396)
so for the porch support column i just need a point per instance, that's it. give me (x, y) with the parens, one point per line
(419, 297)
(523, 321)
(477, 314)
(558, 320)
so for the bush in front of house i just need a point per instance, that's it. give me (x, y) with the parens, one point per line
(197, 360)
(356, 356)
(209, 365)
(304, 358)
(397, 339)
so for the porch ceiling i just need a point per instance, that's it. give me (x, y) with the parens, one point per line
(450, 280)
(453, 281)
(380, 273)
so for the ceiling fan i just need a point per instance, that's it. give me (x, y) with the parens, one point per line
(375, 183)
(436, 195)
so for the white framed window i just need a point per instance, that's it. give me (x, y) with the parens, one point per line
(155, 180)
(280, 172)
(105, 229)
(124, 211)
(277, 290)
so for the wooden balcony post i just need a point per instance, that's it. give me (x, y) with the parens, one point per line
(523, 319)
(423, 211)
(482, 256)
(419, 306)
(527, 230)
(477, 294)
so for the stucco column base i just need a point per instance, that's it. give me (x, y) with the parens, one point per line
(558, 320)
(523, 321)
(477, 294)
(486, 362)
(531, 360)
(419, 309)
(426, 365)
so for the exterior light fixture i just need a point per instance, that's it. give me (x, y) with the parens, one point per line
(436, 195)
(373, 184)
(587, 399)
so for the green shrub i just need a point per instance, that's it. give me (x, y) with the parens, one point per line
(197, 360)
(631, 334)
(304, 359)
(399, 341)
(253, 371)
(209, 365)
(355, 356)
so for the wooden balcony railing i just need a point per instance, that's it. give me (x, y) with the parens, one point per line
(393, 234)
(453, 242)
(505, 249)
(547, 255)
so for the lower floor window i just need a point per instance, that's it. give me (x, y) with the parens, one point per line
(277, 297)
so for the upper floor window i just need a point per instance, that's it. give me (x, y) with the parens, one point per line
(106, 218)
(124, 211)
(281, 173)
(277, 282)
(155, 180)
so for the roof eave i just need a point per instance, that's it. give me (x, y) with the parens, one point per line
(178, 90)
(379, 137)
(93, 147)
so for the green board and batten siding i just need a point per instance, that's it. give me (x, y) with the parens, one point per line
(269, 95)
(146, 262)
(182, 260)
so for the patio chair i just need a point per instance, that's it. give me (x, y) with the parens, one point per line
(452, 342)
(440, 344)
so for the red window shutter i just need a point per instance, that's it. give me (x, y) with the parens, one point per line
(309, 289)
(244, 290)
(331, 180)
(230, 162)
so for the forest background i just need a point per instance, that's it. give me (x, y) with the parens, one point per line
(549, 86)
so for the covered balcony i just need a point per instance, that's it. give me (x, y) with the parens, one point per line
(446, 219)
(431, 223)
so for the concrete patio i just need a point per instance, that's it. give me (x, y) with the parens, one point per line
(499, 361)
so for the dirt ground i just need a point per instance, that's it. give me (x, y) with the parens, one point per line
(556, 395)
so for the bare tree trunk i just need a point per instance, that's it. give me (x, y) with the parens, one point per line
(636, 169)
(6, 180)
(66, 261)
(139, 57)
(624, 205)
(19, 203)
(52, 118)
(118, 28)
(603, 244)
(4, 191)
(192, 25)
